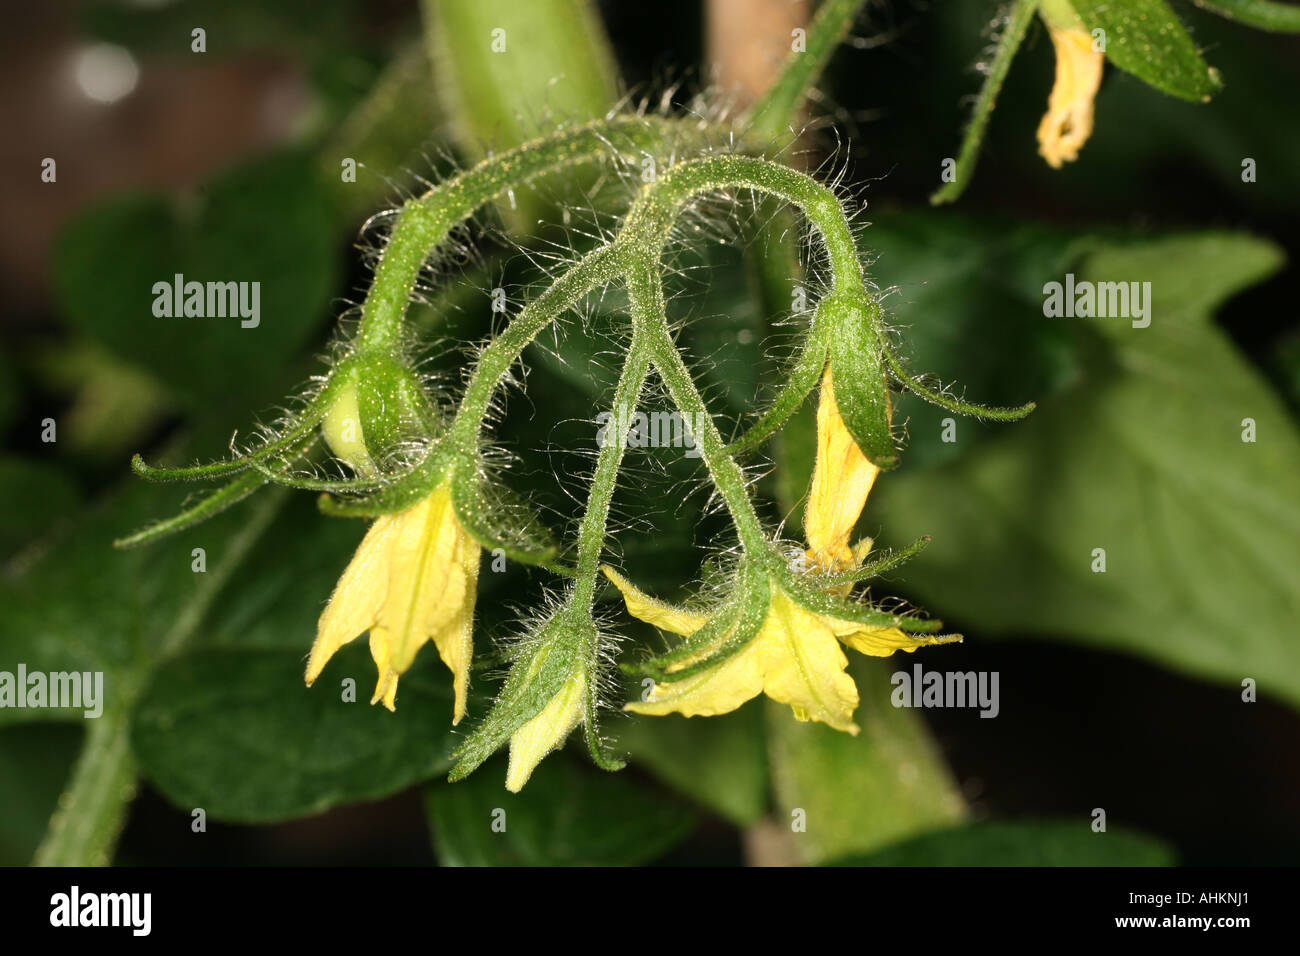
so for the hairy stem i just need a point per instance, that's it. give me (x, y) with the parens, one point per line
(92, 810)
(592, 531)
(645, 290)
(425, 223)
(595, 269)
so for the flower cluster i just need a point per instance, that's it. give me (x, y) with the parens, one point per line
(419, 474)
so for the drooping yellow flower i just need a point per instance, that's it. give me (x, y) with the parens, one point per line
(1067, 124)
(795, 658)
(548, 730)
(842, 480)
(412, 580)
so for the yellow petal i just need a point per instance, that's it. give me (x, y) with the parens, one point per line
(412, 580)
(1067, 124)
(386, 685)
(805, 666)
(794, 659)
(653, 611)
(433, 575)
(354, 606)
(535, 739)
(716, 690)
(842, 480)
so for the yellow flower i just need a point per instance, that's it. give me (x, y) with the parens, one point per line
(842, 479)
(412, 580)
(1067, 124)
(795, 658)
(548, 730)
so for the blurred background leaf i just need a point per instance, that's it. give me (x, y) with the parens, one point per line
(236, 733)
(720, 763)
(856, 794)
(1144, 458)
(1003, 843)
(110, 258)
(569, 815)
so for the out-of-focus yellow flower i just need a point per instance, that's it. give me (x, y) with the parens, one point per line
(842, 480)
(412, 580)
(795, 658)
(1067, 124)
(548, 730)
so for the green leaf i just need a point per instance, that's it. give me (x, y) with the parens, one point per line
(1143, 458)
(1264, 14)
(1146, 38)
(80, 605)
(998, 843)
(719, 762)
(568, 815)
(35, 494)
(236, 733)
(37, 760)
(860, 793)
(266, 222)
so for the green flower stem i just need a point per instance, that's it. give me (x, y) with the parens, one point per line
(598, 267)
(424, 223)
(777, 110)
(649, 224)
(819, 203)
(591, 533)
(647, 294)
(657, 209)
(1013, 34)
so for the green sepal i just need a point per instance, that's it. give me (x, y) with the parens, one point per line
(1017, 19)
(886, 562)
(283, 445)
(394, 407)
(397, 493)
(596, 745)
(546, 662)
(716, 625)
(1146, 38)
(858, 364)
(499, 519)
(958, 406)
(801, 379)
(804, 591)
(753, 608)
(211, 504)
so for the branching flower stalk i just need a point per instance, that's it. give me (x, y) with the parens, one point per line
(423, 476)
